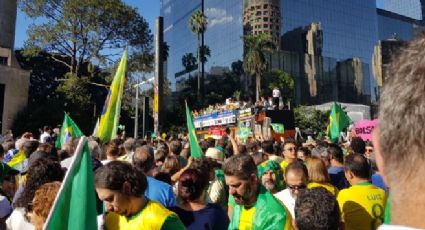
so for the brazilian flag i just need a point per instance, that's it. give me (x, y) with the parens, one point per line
(110, 115)
(195, 150)
(69, 129)
(338, 120)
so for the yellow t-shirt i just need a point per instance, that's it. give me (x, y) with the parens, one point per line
(245, 221)
(332, 189)
(153, 217)
(283, 165)
(362, 206)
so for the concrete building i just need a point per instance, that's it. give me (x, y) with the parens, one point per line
(14, 82)
(262, 17)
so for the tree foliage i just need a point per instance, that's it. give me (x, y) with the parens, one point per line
(254, 60)
(83, 29)
(276, 78)
(311, 121)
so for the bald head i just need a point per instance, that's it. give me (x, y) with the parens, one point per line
(143, 158)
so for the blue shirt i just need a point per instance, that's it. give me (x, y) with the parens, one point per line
(212, 217)
(160, 192)
(338, 177)
(379, 182)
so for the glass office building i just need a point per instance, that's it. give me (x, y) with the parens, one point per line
(339, 67)
(223, 35)
(407, 8)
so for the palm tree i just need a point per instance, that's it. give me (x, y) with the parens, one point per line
(254, 60)
(198, 25)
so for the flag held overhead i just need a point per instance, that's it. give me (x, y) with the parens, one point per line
(110, 116)
(195, 150)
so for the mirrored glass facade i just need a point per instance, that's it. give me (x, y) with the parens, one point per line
(345, 34)
(408, 8)
(223, 35)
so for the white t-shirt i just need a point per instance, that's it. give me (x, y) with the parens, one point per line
(276, 93)
(17, 221)
(43, 137)
(285, 197)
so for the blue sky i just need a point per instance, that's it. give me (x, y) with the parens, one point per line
(149, 9)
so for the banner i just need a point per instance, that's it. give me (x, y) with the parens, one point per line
(364, 128)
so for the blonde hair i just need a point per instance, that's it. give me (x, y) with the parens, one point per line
(317, 171)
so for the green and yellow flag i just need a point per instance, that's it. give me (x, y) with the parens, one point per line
(338, 120)
(69, 129)
(195, 150)
(75, 203)
(110, 115)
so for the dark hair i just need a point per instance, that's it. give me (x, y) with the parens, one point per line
(251, 146)
(267, 146)
(358, 165)
(297, 165)
(317, 209)
(288, 141)
(242, 149)
(113, 175)
(368, 144)
(277, 149)
(305, 150)
(335, 152)
(29, 147)
(164, 177)
(63, 154)
(192, 183)
(175, 147)
(204, 145)
(41, 171)
(143, 158)
(358, 145)
(1, 151)
(114, 149)
(241, 166)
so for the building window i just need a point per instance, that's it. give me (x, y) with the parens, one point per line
(3, 60)
(266, 19)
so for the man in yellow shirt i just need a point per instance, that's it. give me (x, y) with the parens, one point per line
(121, 187)
(362, 205)
(289, 148)
(255, 208)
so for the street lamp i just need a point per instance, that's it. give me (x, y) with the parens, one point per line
(137, 86)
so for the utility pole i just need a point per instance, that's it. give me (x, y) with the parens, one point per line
(136, 117)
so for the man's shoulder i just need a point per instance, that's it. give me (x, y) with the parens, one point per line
(335, 170)
(157, 184)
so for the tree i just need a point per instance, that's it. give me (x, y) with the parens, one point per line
(254, 60)
(189, 62)
(276, 78)
(198, 25)
(84, 29)
(205, 53)
(311, 121)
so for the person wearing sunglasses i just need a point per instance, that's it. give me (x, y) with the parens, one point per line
(296, 178)
(289, 148)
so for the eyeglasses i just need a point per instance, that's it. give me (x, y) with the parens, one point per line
(291, 149)
(297, 187)
(369, 150)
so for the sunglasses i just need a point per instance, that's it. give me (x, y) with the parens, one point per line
(297, 187)
(369, 150)
(290, 149)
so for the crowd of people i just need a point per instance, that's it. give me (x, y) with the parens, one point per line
(156, 184)
(271, 103)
